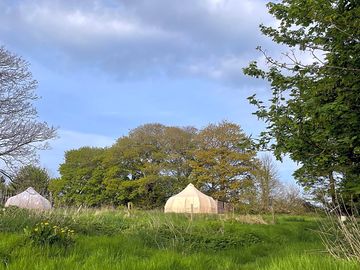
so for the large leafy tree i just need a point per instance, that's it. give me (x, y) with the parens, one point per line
(314, 112)
(21, 134)
(148, 165)
(81, 180)
(224, 162)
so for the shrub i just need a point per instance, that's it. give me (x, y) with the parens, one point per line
(341, 234)
(48, 234)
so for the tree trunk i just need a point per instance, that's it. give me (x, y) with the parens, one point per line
(332, 188)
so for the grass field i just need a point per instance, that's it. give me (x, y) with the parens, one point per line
(153, 240)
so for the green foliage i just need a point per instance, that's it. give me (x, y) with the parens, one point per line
(149, 165)
(313, 114)
(81, 178)
(31, 176)
(224, 162)
(145, 168)
(57, 188)
(153, 162)
(45, 233)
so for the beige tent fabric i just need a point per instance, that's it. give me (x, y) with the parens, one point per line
(190, 196)
(29, 199)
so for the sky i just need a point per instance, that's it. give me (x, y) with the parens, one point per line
(106, 67)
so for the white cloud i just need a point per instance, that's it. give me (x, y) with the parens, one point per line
(137, 37)
(219, 69)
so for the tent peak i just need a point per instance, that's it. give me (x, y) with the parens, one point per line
(31, 190)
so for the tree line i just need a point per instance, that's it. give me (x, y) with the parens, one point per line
(154, 161)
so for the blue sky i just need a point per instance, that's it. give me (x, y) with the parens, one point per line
(105, 67)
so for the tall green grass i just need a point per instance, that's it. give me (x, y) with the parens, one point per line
(153, 240)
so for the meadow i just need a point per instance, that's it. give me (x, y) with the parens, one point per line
(116, 239)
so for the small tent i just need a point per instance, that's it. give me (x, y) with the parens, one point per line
(29, 199)
(191, 200)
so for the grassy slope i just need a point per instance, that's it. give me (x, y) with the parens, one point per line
(157, 241)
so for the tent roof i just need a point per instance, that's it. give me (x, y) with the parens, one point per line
(191, 199)
(190, 191)
(29, 199)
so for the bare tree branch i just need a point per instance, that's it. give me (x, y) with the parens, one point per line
(20, 132)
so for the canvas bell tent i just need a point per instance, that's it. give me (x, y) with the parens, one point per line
(191, 200)
(29, 199)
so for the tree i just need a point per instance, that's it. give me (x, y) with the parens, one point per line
(149, 165)
(57, 186)
(31, 176)
(20, 132)
(224, 162)
(288, 199)
(314, 112)
(82, 176)
(2, 187)
(145, 167)
(267, 181)
(178, 146)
